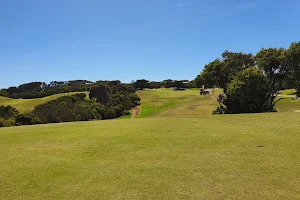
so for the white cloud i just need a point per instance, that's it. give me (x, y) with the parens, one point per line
(182, 4)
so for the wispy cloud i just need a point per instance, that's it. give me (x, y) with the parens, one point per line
(182, 4)
(244, 6)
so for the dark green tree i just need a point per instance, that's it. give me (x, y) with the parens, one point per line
(101, 92)
(272, 62)
(221, 72)
(248, 92)
(141, 84)
(293, 63)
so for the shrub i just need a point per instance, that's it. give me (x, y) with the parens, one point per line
(7, 122)
(67, 109)
(101, 92)
(247, 93)
(7, 112)
(27, 119)
(3, 93)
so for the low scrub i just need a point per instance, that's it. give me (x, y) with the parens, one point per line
(106, 102)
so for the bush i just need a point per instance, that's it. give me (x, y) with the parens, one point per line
(67, 109)
(7, 112)
(247, 93)
(3, 93)
(27, 119)
(101, 92)
(7, 122)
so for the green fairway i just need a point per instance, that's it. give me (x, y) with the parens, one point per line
(175, 149)
(166, 102)
(209, 157)
(26, 105)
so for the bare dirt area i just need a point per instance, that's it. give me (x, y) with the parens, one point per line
(136, 111)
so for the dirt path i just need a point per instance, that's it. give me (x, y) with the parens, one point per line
(136, 111)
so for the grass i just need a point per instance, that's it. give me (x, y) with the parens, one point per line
(26, 105)
(288, 92)
(175, 150)
(166, 102)
(209, 157)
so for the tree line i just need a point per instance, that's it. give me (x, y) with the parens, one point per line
(106, 101)
(251, 83)
(168, 83)
(41, 89)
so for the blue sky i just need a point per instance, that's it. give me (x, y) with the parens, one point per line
(45, 40)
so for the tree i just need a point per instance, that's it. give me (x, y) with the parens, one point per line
(221, 72)
(178, 84)
(199, 81)
(272, 62)
(248, 92)
(214, 74)
(141, 84)
(27, 119)
(167, 83)
(101, 92)
(293, 63)
(234, 63)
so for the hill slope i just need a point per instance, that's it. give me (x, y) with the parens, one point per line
(167, 103)
(25, 105)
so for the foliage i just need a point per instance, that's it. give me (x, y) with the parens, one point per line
(141, 84)
(248, 92)
(3, 93)
(7, 112)
(101, 92)
(167, 83)
(67, 109)
(27, 119)
(273, 63)
(221, 72)
(293, 60)
(41, 89)
(155, 85)
(212, 75)
(7, 122)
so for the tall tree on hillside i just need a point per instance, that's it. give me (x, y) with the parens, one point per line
(293, 62)
(272, 62)
(235, 63)
(213, 75)
(221, 72)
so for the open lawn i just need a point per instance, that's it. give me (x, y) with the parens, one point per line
(175, 149)
(26, 105)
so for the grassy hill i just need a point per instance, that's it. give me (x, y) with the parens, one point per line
(174, 150)
(167, 103)
(25, 105)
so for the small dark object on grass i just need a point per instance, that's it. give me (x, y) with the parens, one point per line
(179, 89)
(260, 146)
